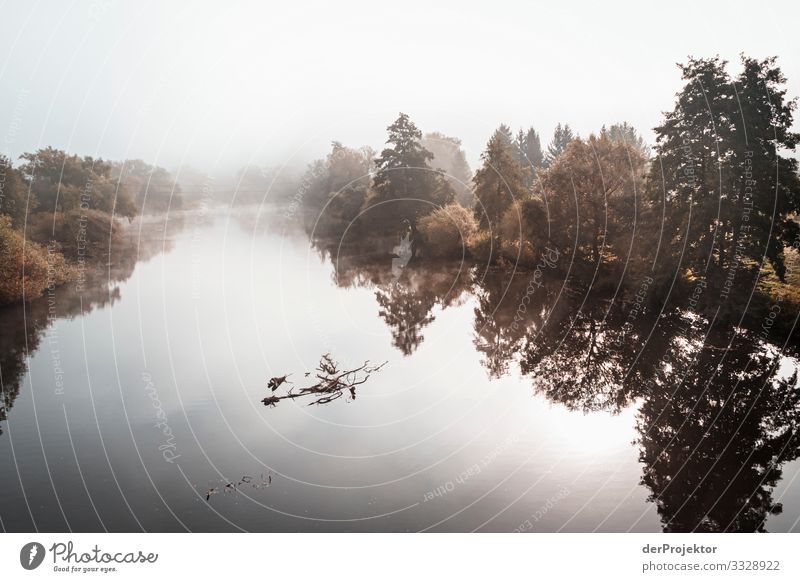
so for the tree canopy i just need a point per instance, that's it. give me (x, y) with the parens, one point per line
(721, 168)
(405, 186)
(449, 157)
(528, 151)
(562, 136)
(499, 182)
(60, 182)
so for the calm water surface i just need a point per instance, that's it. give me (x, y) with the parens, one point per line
(127, 403)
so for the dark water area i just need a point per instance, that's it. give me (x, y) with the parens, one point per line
(508, 401)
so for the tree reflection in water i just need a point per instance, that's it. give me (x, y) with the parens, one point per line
(406, 302)
(718, 408)
(23, 327)
(715, 431)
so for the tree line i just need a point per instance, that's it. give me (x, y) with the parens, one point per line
(59, 211)
(714, 200)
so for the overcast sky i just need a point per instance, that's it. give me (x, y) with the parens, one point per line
(221, 84)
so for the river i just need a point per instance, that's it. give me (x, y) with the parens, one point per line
(503, 406)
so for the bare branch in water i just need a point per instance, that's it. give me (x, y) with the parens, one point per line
(274, 383)
(332, 382)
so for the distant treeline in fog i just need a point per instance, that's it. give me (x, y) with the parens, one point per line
(713, 202)
(61, 212)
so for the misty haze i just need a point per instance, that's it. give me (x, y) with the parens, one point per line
(368, 268)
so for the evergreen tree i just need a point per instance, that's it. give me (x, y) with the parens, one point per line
(449, 157)
(499, 182)
(405, 186)
(731, 194)
(562, 136)
(627, 134)
(504, 133)
(528, 151)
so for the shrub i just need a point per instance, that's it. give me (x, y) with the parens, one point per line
(519, 253)
(481, 246)
(523, 230)
(342, 210)
(27, 268)
(448, 230)
(80, 233)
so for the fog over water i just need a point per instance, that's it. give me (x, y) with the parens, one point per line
(429, 266)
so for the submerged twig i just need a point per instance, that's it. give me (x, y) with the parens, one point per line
(332, 382)
(236, 486)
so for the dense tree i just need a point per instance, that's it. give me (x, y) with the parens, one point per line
(14, 201)
(504, 134)
(498, 183)
(61, 182)
(590, 192)
(153, 188)
(336, 188)
(719, 169)
(449, 157)
(525, 232)
(528, 150)
(562, 136)
(627, 134)
(405, 186)
(768, 119)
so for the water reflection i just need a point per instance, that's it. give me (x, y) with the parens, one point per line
(717, 426)
(26, 327)
(715, 406)
(718, 407)
(406, 300)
